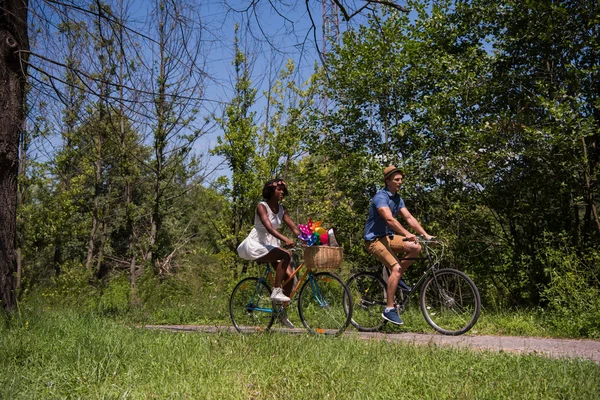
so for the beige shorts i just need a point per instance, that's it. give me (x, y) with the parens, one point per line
(385, 249)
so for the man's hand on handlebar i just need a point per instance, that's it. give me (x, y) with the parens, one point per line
(410, 238)
(413, 238)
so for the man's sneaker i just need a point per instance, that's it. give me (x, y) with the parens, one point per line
(278, 296)
(392, 316)
(284, 320)
(403, 285)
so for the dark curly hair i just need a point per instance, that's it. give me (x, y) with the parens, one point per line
(270, 186)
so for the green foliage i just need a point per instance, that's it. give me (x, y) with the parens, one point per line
(71, 289)
(573, 293)
(115, 297)
(484, 107)
(237, 146)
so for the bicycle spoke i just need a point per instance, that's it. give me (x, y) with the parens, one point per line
(450, 302)
(323, 304)
(369, 294)
(250, 306)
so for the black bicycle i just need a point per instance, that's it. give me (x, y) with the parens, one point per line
(448, 298)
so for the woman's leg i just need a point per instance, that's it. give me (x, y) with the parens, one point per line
(287, 289)
(281, 259)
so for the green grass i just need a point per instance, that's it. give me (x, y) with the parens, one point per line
(65, 355)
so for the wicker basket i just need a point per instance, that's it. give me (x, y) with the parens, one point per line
(323, 257)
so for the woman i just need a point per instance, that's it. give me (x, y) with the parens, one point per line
(263, 244)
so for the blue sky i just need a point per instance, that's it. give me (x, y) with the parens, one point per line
(288, 29)
(268, 36)
(289, 37)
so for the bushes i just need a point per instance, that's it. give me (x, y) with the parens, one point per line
(196, 292)
(573, 294)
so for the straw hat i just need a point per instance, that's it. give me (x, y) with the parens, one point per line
(388, 172)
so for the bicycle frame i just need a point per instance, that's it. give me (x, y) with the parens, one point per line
(433, 260)
(269, 278)
(448, 298)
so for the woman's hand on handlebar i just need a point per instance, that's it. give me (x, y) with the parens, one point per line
(289, 243)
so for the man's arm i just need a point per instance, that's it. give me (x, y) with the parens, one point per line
(393, 223)
(413, 223)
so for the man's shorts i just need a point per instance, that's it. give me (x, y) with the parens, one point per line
(385, 248)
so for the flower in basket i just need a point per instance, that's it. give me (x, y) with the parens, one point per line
(314, 234)
(305, 237)
(315, 239)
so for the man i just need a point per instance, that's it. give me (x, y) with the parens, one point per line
(384, 236)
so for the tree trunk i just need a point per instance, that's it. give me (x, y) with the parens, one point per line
(13, 38)
(101, 267)
(20, 199)
(96, 220)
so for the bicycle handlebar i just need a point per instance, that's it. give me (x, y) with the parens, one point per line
(421, 239)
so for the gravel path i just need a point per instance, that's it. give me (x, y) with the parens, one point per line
(555, 348)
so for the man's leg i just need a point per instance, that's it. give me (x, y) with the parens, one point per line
(397, 269)
(381, 250)
(406, 250)
(410, 250)
(392, 283)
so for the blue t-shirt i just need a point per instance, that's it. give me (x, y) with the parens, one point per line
(376, 225)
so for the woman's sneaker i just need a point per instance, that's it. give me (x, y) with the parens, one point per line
(392, 316)
(278, 296)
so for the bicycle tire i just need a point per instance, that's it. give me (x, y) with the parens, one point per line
(369, 294)
(325, 304)
(250, 306)
(450, 302)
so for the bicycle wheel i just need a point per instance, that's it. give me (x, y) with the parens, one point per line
(325, 304)
(368, 292)
(450, 302)
(250, 306)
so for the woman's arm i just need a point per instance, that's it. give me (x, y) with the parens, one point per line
(261, 210)
(288, 221)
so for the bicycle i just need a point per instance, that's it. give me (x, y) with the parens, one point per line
(448, 298)
(324, 301)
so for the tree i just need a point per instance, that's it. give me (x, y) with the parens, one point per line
(238, 146)
(14, 44)
(177, 89)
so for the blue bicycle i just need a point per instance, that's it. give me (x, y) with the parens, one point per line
(324, 301)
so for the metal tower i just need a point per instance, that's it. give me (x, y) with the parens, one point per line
(331, 23)
(331, 32)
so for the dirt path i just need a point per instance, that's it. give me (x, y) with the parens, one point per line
(555, 348)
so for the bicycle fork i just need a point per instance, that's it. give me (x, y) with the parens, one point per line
(317, 292)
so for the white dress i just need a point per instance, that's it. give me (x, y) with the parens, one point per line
(260, 242)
